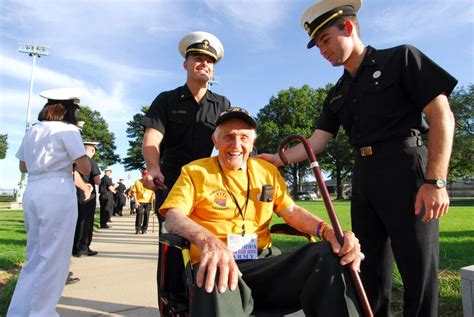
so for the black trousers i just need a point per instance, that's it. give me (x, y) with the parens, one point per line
(84, 227)
(106, 207)
(119, 202)
(142, 216)
(383, 218)
(309, 278)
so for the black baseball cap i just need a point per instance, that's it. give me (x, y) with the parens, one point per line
(236, 113)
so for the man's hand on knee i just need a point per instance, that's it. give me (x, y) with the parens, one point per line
(217, 259)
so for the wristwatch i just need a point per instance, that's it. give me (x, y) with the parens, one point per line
(439, 183)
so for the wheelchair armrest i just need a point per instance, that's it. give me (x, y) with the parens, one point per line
(173, 240)
(284, 228)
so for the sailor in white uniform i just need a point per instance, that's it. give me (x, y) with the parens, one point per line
(47, 153)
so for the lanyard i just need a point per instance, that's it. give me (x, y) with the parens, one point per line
(226, 185)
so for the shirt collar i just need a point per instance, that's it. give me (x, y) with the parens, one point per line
(242, 168)
(185, 93)
(370, 59)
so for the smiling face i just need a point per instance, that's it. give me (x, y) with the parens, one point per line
(234, 139)
(199, 67)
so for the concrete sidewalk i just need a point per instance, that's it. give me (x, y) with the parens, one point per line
(121, 279)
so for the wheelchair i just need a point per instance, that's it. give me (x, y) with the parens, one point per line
(175, 277)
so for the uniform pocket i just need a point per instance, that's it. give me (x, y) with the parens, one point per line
(264, 211)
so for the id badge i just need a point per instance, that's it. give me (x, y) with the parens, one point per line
(243, 247)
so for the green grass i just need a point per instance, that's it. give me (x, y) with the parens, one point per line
(6, 198)
(456, 251)
(12, 252)
(12, 239)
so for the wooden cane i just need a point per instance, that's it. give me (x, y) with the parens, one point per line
(314, 165)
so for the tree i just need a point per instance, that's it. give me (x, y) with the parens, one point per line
(135, 131)
(293, 111)
(462, 105)
(3, 145)
(96, 129)
(338, 160)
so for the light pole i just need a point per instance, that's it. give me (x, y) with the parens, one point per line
(34, 51)
(214, 80)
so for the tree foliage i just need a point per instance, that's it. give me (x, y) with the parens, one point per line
(338, 160)
(3, 145)
(135, 131)
(292, 111)
(462, 105)
(96, 129)
(296, 111)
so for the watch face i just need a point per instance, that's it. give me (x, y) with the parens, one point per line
(440, 183)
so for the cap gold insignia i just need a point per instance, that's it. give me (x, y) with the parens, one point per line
(376, 74)
(205, 44)
(306, 26)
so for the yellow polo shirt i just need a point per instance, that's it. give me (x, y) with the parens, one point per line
(144, 195)
(201, 193)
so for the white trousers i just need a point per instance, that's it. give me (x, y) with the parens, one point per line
(50, 208)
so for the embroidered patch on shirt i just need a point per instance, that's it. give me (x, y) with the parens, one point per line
(220, 198)
(335, 98)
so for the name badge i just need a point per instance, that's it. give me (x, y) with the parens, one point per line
(243, 247)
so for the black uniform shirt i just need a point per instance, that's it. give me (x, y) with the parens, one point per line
(385, 98)
(105, 182)
(186, 127)
(120, 188)
(89, 179)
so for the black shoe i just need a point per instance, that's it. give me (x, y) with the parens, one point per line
(72, 280)
(104, 227)
(76, 255)
(91, 252)
(143, 231)
(136, 231)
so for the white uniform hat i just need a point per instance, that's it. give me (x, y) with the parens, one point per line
(91, 143)
(201, 43)
(62, 94)
(320, 15)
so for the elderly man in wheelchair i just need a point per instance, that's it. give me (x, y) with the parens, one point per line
(223, 206)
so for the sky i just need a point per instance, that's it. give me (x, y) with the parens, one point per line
(123, 53)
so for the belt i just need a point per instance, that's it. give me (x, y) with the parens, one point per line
(384, 147)
(37, 176)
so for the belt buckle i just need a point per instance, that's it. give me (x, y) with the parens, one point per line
(366, 151)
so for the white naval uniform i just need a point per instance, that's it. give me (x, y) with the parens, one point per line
(49, 149)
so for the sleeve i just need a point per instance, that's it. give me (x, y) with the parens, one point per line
(156, 117)
(95, 171)
(423, 79)
(73, 143)
(181, 195)
(225, 104)
(282, 199)
(328, 120)
(19, 154)
(133, 189)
